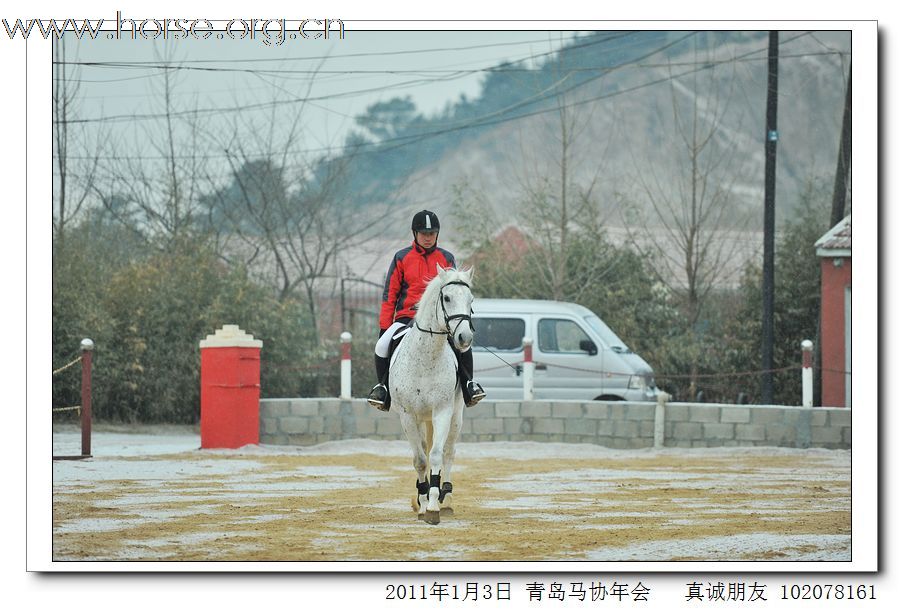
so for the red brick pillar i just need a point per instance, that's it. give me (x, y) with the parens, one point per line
(230, 389)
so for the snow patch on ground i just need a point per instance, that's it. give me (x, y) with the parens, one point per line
(736, 548)
(240, 477)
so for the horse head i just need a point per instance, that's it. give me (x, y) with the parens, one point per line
(448, 297)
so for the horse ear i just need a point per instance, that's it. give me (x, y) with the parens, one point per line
(439, 269)
(470, 274)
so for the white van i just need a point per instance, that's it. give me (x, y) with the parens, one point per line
(576, 355)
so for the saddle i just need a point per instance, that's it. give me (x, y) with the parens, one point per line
(397, 340)
(394, 343)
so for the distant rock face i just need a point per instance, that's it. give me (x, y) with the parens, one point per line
(629, 135)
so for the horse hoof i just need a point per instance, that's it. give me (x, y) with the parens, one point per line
(431, 517)
(446, 512)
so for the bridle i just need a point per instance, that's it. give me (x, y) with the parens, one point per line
(447, 317)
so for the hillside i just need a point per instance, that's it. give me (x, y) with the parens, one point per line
(627, 99)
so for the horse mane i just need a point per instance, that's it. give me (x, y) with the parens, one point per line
(431, 292)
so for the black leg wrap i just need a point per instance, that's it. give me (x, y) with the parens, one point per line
(445, 490)
(423, 488)
(434, 480)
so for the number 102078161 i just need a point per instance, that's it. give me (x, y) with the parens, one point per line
(829, 591)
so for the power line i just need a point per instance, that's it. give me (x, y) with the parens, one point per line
(259, 106)
(414, 83)
(487, 120)
(167, 66)
(366, 54)
(451, 72)
(466, 124)
(482, 123)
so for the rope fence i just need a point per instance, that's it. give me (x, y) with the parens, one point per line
(718, 383)
(83, 410)
(68, 365)
(525, 367)
(78, 409)
(657, 375)
(727, 384)
(60, 370)
(329, 364)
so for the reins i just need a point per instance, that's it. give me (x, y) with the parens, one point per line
(515, 368)
(446, 316)
(461, 317)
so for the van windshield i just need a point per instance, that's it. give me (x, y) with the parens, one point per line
(608, 336)
(498, 333)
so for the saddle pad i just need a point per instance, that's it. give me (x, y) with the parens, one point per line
(396, 340)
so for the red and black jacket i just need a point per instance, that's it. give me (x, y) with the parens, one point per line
(410, 271)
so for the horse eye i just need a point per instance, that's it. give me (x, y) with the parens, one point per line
(447, 298)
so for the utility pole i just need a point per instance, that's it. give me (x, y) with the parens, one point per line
(844, 160)
(769, 220)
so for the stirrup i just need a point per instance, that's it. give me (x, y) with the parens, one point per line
(476, 393)
(378, 396)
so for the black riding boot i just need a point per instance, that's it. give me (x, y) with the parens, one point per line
(472, 391)
(379, 395)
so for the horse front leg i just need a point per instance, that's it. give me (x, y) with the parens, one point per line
(445, 494)
(413, 431)
(442, 422)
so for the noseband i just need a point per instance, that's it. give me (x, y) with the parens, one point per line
(447, 317)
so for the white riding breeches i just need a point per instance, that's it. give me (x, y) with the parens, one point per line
(382, 347)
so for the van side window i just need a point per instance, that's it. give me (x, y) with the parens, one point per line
(560, 336)
(498, 334)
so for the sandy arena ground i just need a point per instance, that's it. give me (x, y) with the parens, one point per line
(158, 497)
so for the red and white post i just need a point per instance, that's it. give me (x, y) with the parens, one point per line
(807, 373)
(345, 368)
(528, 379)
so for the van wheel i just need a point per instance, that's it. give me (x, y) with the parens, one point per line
(609, 398)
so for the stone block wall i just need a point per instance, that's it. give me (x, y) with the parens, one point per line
(612, 424)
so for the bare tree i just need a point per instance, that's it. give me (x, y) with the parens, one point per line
(154, 180)
(694, 219)
(76, 155)
(561, 204)
(282, 213)
(558, 206)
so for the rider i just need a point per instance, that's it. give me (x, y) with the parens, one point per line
(410, 271)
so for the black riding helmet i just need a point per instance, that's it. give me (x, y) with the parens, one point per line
(425, 221)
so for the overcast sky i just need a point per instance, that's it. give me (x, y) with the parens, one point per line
(339, 78)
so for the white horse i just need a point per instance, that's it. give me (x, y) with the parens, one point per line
(423, 384)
